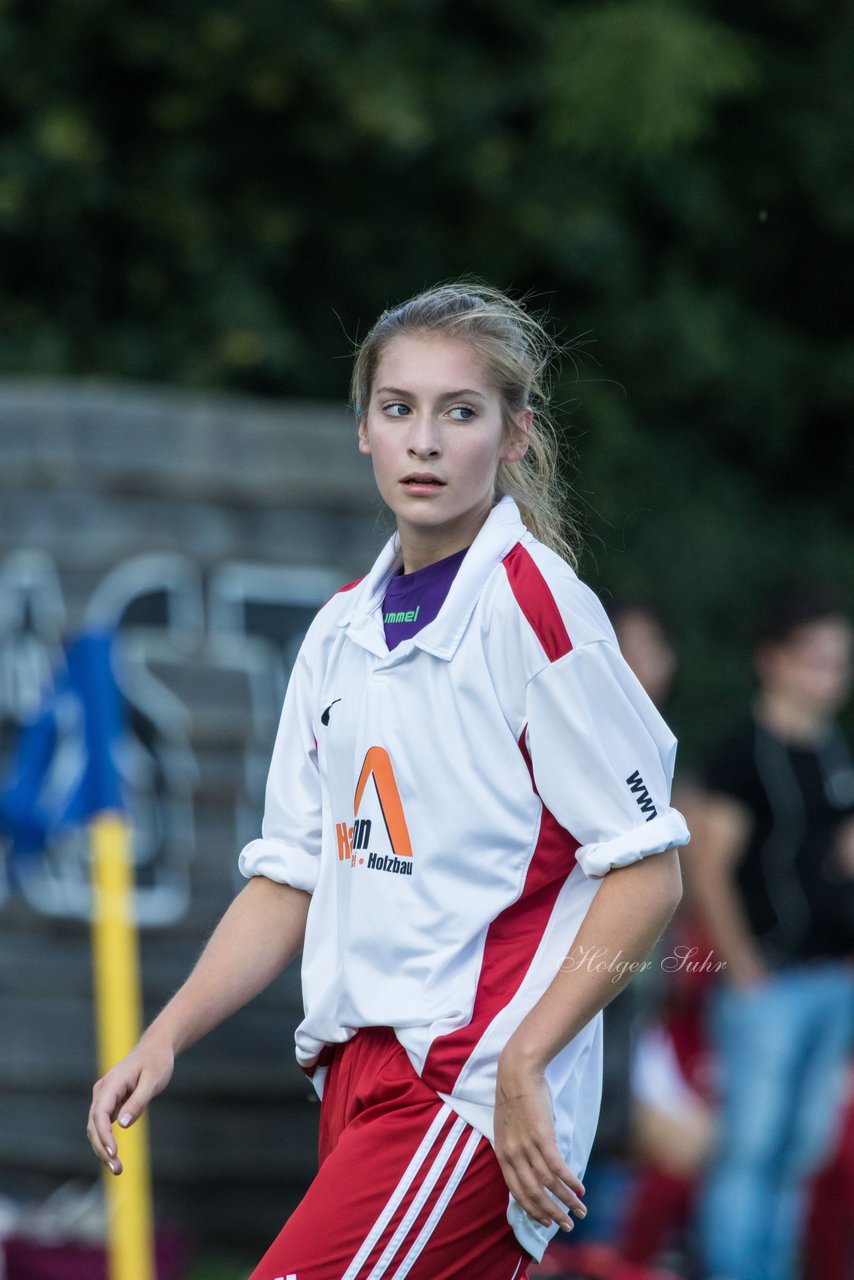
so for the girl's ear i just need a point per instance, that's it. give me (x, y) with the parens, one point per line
(520, 437)
(364, 443)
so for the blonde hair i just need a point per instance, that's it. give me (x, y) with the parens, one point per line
(517, 353)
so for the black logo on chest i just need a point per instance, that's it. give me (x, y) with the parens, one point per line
(324, 719)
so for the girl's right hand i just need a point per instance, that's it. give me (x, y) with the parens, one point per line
(123, 1094)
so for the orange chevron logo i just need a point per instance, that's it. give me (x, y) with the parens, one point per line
(377, 764)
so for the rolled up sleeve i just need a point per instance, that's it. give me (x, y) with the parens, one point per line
(602, 758)
(288, 849)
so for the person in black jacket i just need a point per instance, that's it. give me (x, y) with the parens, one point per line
(774, 880)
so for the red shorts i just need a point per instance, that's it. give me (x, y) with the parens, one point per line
(405, 1187)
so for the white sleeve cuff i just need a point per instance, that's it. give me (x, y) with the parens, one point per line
(277, 860)
(662, 832)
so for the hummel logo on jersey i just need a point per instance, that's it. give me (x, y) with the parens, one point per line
(324, 719)
(408, 615)
(642, 796)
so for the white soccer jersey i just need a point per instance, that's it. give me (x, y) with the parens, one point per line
(452, 807)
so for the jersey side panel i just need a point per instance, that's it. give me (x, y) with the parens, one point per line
(513, 938)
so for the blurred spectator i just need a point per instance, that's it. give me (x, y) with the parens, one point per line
(775, 884)
(655, 1112)
(671, 1116)
(672, 1102)
(830, 1234)
(646, 646)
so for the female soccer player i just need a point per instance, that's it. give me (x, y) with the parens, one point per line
(466, 792)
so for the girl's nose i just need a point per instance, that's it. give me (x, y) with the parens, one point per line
(424, 437)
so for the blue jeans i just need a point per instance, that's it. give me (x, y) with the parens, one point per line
(782, 1047)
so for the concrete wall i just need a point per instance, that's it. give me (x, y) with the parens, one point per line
(209, 528)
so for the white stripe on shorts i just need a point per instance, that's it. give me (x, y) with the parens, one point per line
(440, 1206)
(420, 1200)
(399, 1192)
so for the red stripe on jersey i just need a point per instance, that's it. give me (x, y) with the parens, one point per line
(537, 602)
(511, 943)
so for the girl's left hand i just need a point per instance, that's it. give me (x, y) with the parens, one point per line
(526, 1148)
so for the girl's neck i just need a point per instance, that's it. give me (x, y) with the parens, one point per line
(424, 546)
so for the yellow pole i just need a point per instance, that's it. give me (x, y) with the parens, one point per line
(119, 1018)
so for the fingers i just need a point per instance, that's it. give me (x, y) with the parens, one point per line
(103, 1145)
(121, 1096)
(545, 1188)
(106, 1097)
(137, 1102)
(536, 1175)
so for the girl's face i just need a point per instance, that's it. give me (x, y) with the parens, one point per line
(435, 431)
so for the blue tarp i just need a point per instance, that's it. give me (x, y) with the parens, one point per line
(64, 768)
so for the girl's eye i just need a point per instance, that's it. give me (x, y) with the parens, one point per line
(465, 411)
(397, 409)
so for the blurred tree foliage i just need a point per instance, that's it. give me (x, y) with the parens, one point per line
(225, 194)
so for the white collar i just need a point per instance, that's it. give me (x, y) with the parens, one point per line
(499, 533)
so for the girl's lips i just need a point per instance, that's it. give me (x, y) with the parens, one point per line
(422, 485)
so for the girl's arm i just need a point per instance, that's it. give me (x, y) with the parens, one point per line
(626, 917)
(260, 933)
